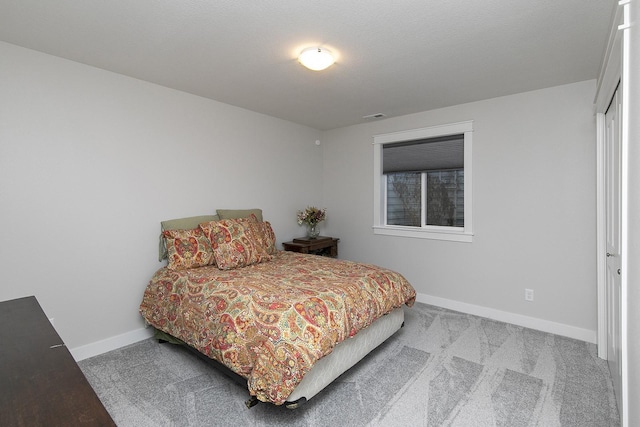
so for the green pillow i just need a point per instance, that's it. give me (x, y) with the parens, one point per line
(239, 213)
(181, 224)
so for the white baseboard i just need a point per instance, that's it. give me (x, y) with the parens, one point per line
(513, 318)
(113, 343)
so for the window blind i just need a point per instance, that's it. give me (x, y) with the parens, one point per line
(440, 153)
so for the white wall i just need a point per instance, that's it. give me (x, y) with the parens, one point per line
(92, 161)
(533, 211)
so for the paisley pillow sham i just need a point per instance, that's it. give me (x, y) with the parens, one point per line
(187, 249)
(269, 237)
(236, 242)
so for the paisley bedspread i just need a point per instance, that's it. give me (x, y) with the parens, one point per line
(270, 322)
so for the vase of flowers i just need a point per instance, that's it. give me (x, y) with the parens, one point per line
(311, 216)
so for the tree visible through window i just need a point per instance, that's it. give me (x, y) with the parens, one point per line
(444, 198)
(404, 196)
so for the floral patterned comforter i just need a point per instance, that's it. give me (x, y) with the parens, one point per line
(270, 322)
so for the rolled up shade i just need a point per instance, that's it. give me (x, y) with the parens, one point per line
(440, 153)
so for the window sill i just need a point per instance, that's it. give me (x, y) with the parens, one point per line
(448, 234)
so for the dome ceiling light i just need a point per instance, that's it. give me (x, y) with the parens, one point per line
(316, 58)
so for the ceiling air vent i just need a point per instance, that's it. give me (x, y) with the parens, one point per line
(374, 116)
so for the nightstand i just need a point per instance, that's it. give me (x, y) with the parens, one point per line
(321, 245)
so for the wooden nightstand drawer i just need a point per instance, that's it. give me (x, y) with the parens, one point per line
(322, 245)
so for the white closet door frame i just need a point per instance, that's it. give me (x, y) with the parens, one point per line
(615, 68)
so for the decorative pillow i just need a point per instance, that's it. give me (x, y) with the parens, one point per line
(188, 249)
(236, 242)
(258, 230)
(269, 237)
(188, 223)
(238, 213)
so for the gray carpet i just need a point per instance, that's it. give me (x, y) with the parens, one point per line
(443, 368)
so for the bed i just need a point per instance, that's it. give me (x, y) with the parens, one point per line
(288, 323)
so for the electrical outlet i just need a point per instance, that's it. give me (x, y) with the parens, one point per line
(528, 294)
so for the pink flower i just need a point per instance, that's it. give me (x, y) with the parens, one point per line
(311, 215)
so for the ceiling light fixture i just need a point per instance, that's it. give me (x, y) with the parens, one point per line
(316, 58)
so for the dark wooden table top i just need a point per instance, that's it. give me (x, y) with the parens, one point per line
(40, 383)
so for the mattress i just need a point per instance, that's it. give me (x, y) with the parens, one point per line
(345, 355)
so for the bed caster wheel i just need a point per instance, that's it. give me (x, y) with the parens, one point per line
(296, 404)
(253, 401)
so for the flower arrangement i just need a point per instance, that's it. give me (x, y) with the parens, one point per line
(311, 216)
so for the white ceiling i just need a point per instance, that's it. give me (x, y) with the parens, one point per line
(394, 57)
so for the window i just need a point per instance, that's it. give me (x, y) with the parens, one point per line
(423, 183)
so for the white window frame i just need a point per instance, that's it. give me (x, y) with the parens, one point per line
(454, 234)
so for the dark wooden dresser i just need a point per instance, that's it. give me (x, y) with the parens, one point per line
(40, 383)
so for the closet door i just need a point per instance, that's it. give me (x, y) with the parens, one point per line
(612, 199)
